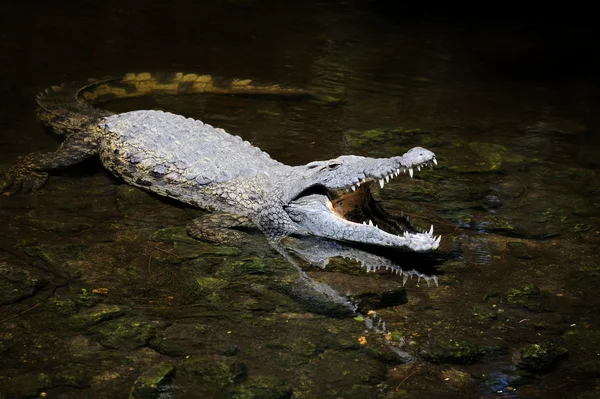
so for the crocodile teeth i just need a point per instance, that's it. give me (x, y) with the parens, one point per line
(353, 188)
(370, 222)
(397, 171)
(419, 168)
(410, 172)
(358, 184)
(381, 182)
(387, 178)
(438, 239)
(431, 230)
(435, 161)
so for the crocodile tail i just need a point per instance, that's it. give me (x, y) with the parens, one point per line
(61, 108)
(70, 107)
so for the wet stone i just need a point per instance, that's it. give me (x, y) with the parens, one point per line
(17, 283)
(442, 351)
(56, 256)
(149, 383)
(261, 387)
(26, 385)
(179, 339)
(538, 357)
(96, 315)
(520, 250)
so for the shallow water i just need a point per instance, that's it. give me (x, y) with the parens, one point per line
(103, 295)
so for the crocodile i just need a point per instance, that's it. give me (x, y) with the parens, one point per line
(206, 167)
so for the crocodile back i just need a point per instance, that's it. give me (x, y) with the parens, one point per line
(157, 146)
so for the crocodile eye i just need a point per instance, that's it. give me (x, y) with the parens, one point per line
(334, 164)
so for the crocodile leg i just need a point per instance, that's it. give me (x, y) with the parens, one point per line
(218, 228)
(30, 172)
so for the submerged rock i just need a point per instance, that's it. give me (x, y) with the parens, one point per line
(520, 250)
(180, 339)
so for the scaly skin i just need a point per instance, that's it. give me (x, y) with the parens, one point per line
(208, 168)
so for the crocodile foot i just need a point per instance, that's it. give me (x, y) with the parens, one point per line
(21, 178)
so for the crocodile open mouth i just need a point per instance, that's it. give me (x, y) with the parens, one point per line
(357, 204)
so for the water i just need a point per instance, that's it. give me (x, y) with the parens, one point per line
(102, 292)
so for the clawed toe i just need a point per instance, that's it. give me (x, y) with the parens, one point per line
(22, 181)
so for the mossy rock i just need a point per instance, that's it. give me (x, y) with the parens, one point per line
(443, 351)
(529, 297)
(65, 307)
(148, 384)
(126, 333)
(538, 357)
(483, 313)
(89, 317)
(210, 376)
(17, 283)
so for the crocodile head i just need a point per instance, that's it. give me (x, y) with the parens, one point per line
(333, 200)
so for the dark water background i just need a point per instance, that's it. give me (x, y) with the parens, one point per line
(510, 105)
